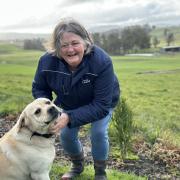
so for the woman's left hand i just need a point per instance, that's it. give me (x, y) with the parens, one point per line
(60, 123)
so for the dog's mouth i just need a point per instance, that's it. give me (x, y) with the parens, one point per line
(48, 122)
(53, 116)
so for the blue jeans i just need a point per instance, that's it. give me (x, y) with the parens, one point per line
(98, 135)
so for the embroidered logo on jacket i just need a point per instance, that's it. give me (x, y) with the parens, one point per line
(85, 81)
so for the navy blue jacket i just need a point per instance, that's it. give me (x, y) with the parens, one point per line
(87, 94)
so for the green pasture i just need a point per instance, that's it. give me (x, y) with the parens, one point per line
(17, 67)
(151, 86)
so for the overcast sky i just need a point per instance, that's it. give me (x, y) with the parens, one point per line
(42, 15)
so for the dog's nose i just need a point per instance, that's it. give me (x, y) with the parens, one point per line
(52, 110)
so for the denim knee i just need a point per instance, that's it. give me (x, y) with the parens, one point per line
(67, 136)
(99, 135)
(70, 142)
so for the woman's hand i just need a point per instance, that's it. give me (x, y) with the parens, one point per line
(60, 123)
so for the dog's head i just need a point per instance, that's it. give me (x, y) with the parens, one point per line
(38, 116)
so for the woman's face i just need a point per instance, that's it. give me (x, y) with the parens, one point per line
(72, 49)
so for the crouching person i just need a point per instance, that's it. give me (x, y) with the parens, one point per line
(82, 77)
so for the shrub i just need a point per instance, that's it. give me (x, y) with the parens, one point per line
(122, 121)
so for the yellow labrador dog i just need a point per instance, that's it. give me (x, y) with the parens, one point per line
(27, 151)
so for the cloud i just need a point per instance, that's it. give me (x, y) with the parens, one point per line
(66, 3)
(93, 13)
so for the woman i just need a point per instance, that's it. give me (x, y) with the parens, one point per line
(81, 76)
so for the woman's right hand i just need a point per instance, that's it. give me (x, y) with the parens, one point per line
(60, 123)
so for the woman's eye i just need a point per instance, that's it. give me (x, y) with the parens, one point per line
(64, 45)
(75, 43)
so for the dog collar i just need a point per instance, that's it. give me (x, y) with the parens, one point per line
(42, 135)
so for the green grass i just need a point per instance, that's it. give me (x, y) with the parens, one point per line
(17, 68)
(88, 174)
(15, 90)
(153, 97)
(8, 48)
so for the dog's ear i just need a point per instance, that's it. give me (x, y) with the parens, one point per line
(21, 121)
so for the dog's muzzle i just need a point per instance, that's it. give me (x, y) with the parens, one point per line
(53, 112)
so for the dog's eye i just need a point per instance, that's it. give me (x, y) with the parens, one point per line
(37, 111)
(48, 102)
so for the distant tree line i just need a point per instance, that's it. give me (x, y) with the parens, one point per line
(36, 44)
(131, 39)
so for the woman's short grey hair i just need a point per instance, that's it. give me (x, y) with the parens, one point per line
(68, 25)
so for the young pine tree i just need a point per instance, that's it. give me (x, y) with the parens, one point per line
(122, 121)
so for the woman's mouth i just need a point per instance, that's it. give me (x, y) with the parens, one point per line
(71, 55)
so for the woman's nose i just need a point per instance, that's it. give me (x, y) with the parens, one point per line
(70, 47)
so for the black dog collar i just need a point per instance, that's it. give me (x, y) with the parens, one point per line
(42, 135)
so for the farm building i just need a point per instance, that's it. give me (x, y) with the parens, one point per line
(170, 49)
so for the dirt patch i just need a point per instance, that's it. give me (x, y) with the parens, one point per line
(155, 162)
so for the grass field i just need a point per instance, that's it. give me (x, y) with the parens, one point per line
(150, 85)
(16, 74)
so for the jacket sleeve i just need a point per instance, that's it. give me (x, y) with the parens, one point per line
(101, 103)
(40, 86)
